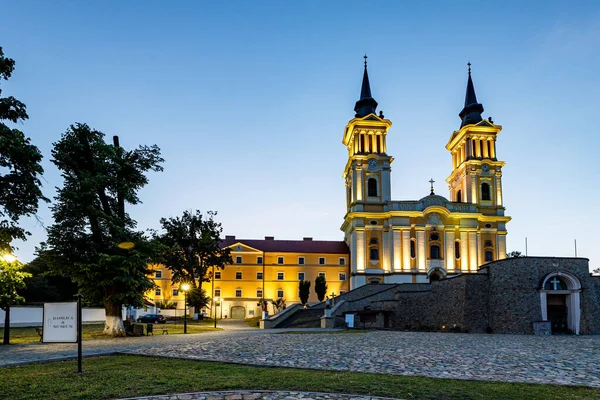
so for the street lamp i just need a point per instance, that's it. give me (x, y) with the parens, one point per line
(9, 258)
(185, 287)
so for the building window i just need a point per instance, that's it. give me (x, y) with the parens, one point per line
(488, 243)
(322, 274)
(280, 293)
(259, 260)
(217, 292)
(373, 241)
(238, 260)
(217, 274)
(300, 260)
(279, 260)
(259, 276)
(342, 276)
(372, 187)
(238, 292)
(342, 261)
(413, 252)
(157, 292)
(489, 255)
(259, 293)
(459, 196)
(238, 275)
(434, 236)
(434, 252)
(457, 249)
(301, 276)
(280, 276)
(158, 274)
(374, 253)
(321, 260)
(485, 191)
(175, 292)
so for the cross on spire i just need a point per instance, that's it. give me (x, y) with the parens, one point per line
(432, 182)
(469, 65)
(365, 57)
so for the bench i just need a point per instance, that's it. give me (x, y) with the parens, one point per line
(164, 330)
(40, 332)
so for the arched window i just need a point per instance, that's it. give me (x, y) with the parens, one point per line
(373, 241)
(374, 253)
(434, 236)
(457, 249)
(434, 252)
(372, 187)
(413, 251)
(488, 243)
(485, 191)
(459, 196)
(489, 255)
(555, 283)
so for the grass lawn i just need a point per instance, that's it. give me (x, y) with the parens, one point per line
(21, 335)
(128, 376)
(253, 322)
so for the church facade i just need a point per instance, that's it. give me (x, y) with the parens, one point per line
(431, 238)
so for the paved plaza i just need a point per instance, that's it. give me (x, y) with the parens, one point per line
(259, 394)
(564, 360)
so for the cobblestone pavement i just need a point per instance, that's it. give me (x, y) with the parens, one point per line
(564, 360)
(255, 395)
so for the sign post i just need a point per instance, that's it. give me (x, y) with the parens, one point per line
(62, 324)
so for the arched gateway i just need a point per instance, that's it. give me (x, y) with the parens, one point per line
(560, 302)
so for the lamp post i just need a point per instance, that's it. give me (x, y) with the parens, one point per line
(185, 287)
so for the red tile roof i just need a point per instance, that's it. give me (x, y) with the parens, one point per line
(291, 246)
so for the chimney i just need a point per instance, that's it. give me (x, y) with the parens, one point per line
(307, 239)
(269, 237)
(229, 237)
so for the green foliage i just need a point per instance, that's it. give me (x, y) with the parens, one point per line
(304, 289)
(90, 220)
(12, 278)
(514, 254)
(321, 287)
(197, 298)
(596, 271)
(191, 246)
(165, 305)
(46, 285)
(20, 167)
(278, 304)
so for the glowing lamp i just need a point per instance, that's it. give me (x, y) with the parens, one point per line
(126, 245)
(185, 287)
(9, 258)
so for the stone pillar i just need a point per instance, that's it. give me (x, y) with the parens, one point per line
(359, 183)
(421, 251)
(360, 250)
(386, 251)
(449, 256)
(397, 246)
(501, 246)
(498, 190)
(464, 251)
(474, 184)
(473, 251)
(406, 249)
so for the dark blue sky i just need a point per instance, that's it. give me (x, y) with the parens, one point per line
(248, 101)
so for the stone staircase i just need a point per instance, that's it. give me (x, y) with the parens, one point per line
(303, 318)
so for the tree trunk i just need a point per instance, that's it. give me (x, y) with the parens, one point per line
(114, 321)
(7, 326)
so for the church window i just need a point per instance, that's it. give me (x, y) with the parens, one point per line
(413, 252)
(488, 243)
(373, 241)
(459, 196)
(485, 191)
(374, 253)
(434, 252)
(555, 283)
(434, 236)
(457, 249)
(372, 187)
(489, 255)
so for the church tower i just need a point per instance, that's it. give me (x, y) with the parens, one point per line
(367, 178)
(476, 176)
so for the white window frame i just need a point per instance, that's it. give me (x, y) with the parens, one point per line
(158, 274)
(260, 296)
(322, 259)
(158, 292)
(303, 276)
(340, 276)
(282, 293)
(217, 292)
(280, 260)
(261, 276)
(342, 261)
(238, 259)
(303, 261)
(240, 292)
(217, 274)
(259, 260)
(175, 291)
(282, 276)
(241, 275)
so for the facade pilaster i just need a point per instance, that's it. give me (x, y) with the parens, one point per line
(464, 251)
(501, 240)
(449, 256)
(421, 253)
(405, 249)
(473, 251)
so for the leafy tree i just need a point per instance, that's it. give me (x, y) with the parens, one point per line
(20, 168)
(46, 285)
(192, 247)
(321, 287)
(12, 278)
(197, 298)
(514, 254)
(304, 289)
(93, 240)
(278, 305)
(596, 271)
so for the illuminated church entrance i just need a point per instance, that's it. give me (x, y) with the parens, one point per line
(560, 301)
(558, 313)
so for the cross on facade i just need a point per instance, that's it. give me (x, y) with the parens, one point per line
(555, 282)
(432, 182)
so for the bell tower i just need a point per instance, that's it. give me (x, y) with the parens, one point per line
(367, 172)
(476, 176)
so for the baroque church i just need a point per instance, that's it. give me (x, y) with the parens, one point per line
(434, 237)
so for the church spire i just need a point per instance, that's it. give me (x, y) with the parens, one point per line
(471, 113)
(367, 104)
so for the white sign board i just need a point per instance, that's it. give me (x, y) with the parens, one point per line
(60, 323)
(350, 320)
